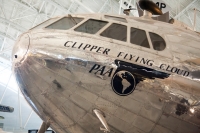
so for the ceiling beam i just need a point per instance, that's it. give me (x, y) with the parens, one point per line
(24, 5)
(185, 9)
(4, 40)
(189, 18)
(81, 4)
(71, 5)
(120, 7)
(7, 36)
(5, 62)
(57, 6)
(14, 25)
(32, 8)
(103, 6)
(2, 11)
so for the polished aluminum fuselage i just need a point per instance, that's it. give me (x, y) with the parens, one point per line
(65, 75)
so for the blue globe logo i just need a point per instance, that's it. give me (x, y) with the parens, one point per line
(123, 83)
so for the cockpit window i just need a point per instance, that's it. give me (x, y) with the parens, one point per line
(116, 31)
(139, 37)
(65, 23)
(91, 26)
(157, 41)
(45, 23)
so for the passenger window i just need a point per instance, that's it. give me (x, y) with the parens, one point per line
(116, 31)
(91, 26)
(139, 37)
(65, 23)
(157, 41)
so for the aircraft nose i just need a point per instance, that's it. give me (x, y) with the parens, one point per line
(20, 48)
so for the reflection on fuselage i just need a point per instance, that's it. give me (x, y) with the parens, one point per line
(64, 76)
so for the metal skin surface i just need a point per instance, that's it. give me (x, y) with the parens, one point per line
(64, 83)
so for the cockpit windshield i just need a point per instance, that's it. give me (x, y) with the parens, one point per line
(91, 26)
(114, 30)
(45, 23)
(65, 23)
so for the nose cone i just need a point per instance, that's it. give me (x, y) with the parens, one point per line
(20, 48)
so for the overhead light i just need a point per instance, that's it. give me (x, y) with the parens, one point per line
(192, 110)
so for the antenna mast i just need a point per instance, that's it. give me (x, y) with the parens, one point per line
(195, 14)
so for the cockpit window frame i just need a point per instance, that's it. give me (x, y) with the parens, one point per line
(160, 37)
(147, 37)
(58, 19)
(62, 18)
(94, 20)
(110, 24)
(85, 20)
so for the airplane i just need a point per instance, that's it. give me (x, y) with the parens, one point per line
(93, 73)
